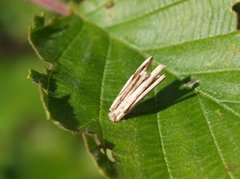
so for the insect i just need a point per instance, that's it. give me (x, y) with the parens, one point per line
(135, 89)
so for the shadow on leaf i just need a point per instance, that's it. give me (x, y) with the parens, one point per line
(236, 9)
(62, 111)
(59, 107)
(172, 94)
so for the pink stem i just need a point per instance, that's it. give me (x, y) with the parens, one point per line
(53, 5)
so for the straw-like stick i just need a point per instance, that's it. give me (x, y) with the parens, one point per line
(135, 89)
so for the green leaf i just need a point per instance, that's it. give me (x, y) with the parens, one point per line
(177, 131)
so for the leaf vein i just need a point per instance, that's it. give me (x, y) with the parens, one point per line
(218, 102)
(71, 43)
(227, 101)
(103, 81)
(213, 71)
(147, 14)
(214, 139)
(161, 140)
(188, 42)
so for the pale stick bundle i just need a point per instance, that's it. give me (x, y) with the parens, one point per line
(135, 89)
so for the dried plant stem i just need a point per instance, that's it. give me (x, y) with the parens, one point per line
(136, 88)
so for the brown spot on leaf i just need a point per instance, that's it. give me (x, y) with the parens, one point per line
(109, 4)
(231, 168)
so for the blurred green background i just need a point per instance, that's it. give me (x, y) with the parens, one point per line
(30, 146)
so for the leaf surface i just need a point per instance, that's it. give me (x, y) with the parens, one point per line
(177, 131)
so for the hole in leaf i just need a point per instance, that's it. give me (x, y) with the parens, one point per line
(102, 154)
(109, 154)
